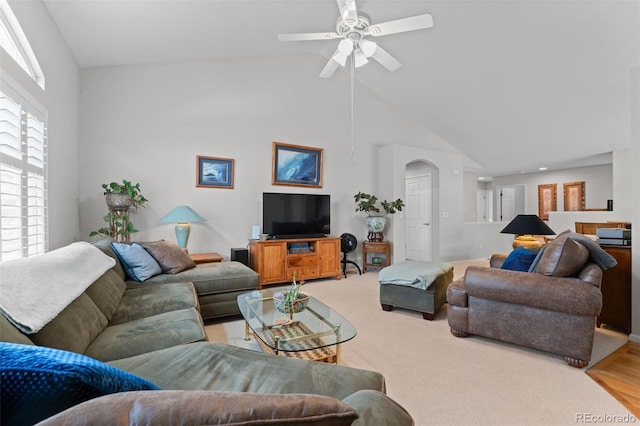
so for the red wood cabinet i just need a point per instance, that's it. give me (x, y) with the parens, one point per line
(616, 290)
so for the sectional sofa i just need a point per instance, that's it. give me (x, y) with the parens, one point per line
(217, 284)
(118, 353)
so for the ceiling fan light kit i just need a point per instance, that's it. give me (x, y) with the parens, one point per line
(368, 47)
(353, 28)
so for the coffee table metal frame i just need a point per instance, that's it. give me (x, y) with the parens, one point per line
(308, 335)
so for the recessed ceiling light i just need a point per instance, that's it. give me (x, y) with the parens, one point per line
(542, 168)
(481, 178)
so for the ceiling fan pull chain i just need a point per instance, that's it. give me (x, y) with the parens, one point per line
(351, 153)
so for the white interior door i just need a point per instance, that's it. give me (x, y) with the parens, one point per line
(507, 204)
(418, 218)
(511, 202)
(481, 206)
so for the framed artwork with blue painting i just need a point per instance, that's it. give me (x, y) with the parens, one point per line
(214, 172)
(296, 165)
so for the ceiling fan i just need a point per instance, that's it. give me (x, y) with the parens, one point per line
(353, 29)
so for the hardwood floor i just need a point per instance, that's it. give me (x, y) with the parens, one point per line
(619, 374)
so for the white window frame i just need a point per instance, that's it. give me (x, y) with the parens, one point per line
(17, 45)
(24, 222)
(33, 230)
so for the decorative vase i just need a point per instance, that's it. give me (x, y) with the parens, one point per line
(375, 226)
(118, 201)
(290, 307)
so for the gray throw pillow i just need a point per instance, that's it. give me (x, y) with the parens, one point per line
(172, 259)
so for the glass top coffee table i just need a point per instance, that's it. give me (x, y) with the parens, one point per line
(310, 334)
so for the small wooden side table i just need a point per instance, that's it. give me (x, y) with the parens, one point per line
(371, 251)
(205, 257)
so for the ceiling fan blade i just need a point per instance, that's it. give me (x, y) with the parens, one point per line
(307, 36)
(330, 68)
(412, 23)
(348, 11)
(385, 59)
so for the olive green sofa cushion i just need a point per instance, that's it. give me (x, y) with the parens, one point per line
(217, 285)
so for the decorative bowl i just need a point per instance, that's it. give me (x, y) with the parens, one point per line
(291, 307)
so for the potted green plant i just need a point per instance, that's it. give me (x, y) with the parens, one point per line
(120, 197)
(376, 212)
(291, 300)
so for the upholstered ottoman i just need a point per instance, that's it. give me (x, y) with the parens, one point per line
(415, 285)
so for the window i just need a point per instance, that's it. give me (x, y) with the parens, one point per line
(15, 43)
(23, 178)
(23, 151)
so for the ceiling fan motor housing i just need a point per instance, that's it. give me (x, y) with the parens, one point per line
(345, 28)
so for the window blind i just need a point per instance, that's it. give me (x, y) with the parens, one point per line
(23, 178)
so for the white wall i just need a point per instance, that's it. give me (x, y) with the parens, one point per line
(481, 240)
(598, 185)
(623, 204)
(634, 196)
(598, 180)
(562, 221)
(470, 197)
(147, 123)
(61, 99)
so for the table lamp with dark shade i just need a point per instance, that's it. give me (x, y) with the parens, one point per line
(525, 226)
(182, 216)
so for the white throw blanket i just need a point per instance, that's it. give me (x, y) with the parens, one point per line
(34, 290)
(413, 273)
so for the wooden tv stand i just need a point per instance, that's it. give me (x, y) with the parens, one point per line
(276, 260)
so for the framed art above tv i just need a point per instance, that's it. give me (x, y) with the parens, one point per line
(296, 165)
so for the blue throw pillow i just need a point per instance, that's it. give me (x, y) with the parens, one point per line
(136, 261)
(519, 259)
(39, 382)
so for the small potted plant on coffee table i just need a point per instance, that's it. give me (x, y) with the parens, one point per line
(291, 300)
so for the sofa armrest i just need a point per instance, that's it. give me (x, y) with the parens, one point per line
(376, 408)
(206, 407)
(497, 259)
(570, 295)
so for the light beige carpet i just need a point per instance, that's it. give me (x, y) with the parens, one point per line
(444, 380)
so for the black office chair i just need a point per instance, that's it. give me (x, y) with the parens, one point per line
(348, 244)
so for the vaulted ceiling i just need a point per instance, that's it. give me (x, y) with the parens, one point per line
(514, 85)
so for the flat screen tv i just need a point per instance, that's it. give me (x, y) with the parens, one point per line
(296, 215)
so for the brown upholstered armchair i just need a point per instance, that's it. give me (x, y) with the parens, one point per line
(553, 309)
